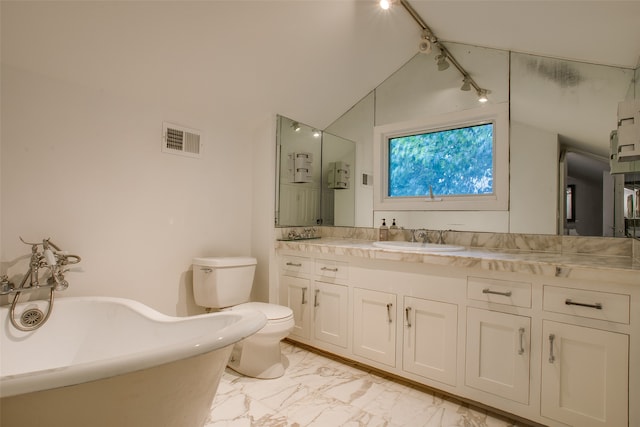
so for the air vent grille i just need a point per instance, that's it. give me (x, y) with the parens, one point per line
(180, 140)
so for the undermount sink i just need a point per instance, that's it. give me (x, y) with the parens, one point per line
(418, 246)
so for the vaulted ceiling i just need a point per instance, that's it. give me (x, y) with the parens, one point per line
(236, 61)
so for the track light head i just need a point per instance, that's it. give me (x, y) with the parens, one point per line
(442, 62)
(482, 95)
(426, 41)
(424, 46)
(385, 4)
(295, 126)
(466, 84)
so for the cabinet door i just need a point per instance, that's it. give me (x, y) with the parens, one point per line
(430, 339)
(584, 375)
(498, 353)
(296, 297)
(374, 326)
(330, 309)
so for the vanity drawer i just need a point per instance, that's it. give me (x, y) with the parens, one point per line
(592, 304)
(296, 264)
(332, 269)
(507, 292)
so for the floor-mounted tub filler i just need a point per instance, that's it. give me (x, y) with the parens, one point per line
(102, 361)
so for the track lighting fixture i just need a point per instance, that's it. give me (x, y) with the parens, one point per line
(385, 4)
(316, 133)
(442, 62)
(295, 126)
(430, 40)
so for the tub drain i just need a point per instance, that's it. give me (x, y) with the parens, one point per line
(32, 317)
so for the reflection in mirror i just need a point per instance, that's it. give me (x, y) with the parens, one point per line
(338, 188)
(631, 207)
(299, 172)
(315, 177)
(556, 106)
(586, 180)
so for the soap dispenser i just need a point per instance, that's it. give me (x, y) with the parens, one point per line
(384, 231)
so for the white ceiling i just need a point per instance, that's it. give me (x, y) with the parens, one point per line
(235, 62)
(602, 32)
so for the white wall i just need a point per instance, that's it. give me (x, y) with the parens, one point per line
(534, 180)
(263, 207)
(85, 167)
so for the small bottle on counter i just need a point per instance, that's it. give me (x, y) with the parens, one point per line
(384, 231)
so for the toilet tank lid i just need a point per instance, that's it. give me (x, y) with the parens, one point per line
(225, 261)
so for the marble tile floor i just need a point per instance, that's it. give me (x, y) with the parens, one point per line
(322, 392)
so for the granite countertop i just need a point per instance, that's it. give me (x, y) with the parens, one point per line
(609, 268)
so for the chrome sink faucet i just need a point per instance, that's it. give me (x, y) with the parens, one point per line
(419, 234)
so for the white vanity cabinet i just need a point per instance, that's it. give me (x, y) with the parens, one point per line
(585, 369)
(295, 290)
(498, 347)
(319, 304)
(374, 325)
(559, 351)
(498, 353)
(331, 303)
(430, 339)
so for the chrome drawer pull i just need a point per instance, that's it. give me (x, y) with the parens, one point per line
(406, 312)
(489, 291)
(315, 298)
(389, 312)
(304, 295)
(597, 305)
(329, 269)
(206, 269)
(552, 358)
(521, 349)
(293, 264)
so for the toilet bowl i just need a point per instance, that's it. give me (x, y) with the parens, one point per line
(225, 284)
(259, 355)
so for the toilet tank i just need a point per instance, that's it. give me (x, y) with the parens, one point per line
(222, 282)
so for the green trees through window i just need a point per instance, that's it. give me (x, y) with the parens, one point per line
(452, 162)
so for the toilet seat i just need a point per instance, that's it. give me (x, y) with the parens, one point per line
(273, 312)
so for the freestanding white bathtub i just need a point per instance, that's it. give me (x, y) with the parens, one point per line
(114, 362)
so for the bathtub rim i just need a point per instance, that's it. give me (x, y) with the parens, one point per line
(248, 323)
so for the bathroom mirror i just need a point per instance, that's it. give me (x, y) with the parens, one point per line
(314, 179)
(574, 104)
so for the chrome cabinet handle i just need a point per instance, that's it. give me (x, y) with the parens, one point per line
(552, 358)
(389, 312)
(521, 349)
(206, 269)
(334, 269)
(489, 291)
(406, 312)
(293, 264)
(304, 295)
(597, 305)
(315, 298)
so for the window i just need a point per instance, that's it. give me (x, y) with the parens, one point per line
(456, 161)
(447, 162)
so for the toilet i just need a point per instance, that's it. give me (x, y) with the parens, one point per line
(225, 284)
